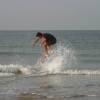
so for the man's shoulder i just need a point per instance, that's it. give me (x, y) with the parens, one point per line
(48, 34)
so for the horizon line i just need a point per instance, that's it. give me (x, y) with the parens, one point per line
(53, 30)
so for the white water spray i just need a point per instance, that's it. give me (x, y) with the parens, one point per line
(61, 57)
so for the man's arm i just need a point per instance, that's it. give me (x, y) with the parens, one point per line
(34, 41)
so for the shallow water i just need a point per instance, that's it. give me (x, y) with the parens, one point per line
(50, 87)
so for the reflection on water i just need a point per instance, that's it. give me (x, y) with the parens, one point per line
(63, 87)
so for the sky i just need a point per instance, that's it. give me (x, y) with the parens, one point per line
(49, 14)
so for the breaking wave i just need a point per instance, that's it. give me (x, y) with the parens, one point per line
(9, 70)
(73, 72)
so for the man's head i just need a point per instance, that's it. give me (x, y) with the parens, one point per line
(39, 34)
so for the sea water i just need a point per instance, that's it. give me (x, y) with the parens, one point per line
(71, 72)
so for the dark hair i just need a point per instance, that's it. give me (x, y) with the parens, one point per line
(39, 34)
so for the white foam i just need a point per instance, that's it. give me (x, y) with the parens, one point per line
(73, 72)
(6, 74)
(14, 69)
(81, 72)
(92, 95)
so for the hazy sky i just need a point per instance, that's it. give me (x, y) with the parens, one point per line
(49, 14)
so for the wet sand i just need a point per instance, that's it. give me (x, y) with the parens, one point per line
(33, 96)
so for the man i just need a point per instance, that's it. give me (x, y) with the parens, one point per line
(46, 40)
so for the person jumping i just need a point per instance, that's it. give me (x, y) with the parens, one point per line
(47, 40)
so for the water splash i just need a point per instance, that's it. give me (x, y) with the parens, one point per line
(61, 58)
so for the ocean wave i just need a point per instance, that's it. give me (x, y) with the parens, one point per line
(82, 72)
(72, 72)
(6, 74)
(14, 69)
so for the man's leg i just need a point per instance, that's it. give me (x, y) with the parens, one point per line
(46, 50)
